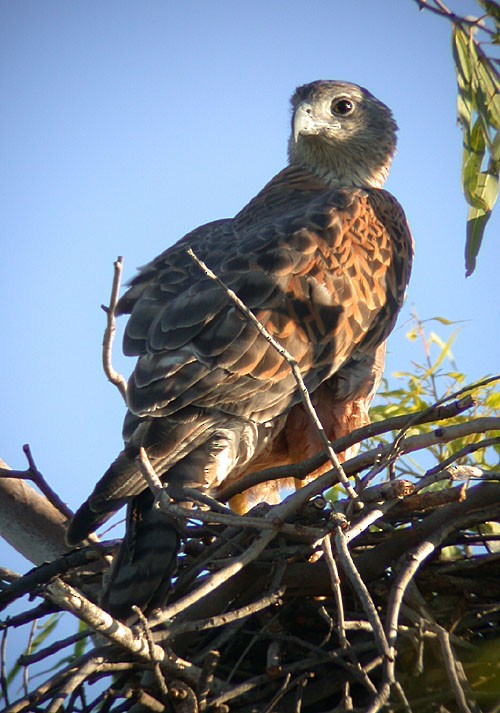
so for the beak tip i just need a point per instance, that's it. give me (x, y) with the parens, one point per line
(303, 122)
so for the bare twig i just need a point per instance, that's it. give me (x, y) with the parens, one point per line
(36, 477)
(206, 678)
(28, 650)
(89, 666)
(363, 594)
(26, 617)
(216, 621)
(221, 612)
(277, 515)
(279, 695)
(28, 521)
(412, 562)
(149, 473)
(8, 575)
(337, 592)
(439, 8)
(131, 640)
(109, 333)
(43, 573)
(218, 578)
(453, 670)
(64, 677)
(3, 671)
(158, 674)
(71, 600)
(27, 659)
(294, 367)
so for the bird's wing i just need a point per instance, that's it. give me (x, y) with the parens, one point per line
(324, 273)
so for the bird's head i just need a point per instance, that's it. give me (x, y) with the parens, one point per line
(342, 133)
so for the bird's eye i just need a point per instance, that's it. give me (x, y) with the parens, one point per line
(342, 107)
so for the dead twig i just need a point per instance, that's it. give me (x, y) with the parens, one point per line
(89, 666)
(28, 659)
(337, 592)
(34, 578)
(454, 670)
(363, 594)
(222, 516)
(207, 650)
(439, 8)
(223, 619)
(109, 333)
(68, 598)
(206, 678)
(3, 671)
(158, 674)
(35, 476)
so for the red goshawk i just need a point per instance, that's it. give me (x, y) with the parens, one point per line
(322, 257)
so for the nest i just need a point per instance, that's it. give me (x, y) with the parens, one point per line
(384, 596)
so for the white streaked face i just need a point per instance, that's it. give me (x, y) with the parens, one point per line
(337, 126)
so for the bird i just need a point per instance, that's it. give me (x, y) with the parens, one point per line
(322, 257)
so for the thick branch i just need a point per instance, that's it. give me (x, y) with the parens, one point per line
(28, 521)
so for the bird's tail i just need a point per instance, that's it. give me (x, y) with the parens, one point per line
(121, 481)
(166, 442)
(146, 559)
(145, 562)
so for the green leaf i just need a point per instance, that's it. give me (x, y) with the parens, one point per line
(487, 189)
(460, 46)
(493, 400)
(487, 97)
(445, 352)
(442, 320)
(494, 166)
(461, 55)
(476, 223)
(80, 646)
(45, 630)
(473, 158)
(434, 338)
(457, 376)
(479, 114)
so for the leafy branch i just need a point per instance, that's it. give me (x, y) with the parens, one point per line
(478, 113)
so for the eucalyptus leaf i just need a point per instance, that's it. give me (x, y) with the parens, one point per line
(476, 223)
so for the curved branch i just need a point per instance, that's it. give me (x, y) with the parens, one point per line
(109, 333)
(28, 521)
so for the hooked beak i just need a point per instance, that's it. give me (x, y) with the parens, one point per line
(303, 122)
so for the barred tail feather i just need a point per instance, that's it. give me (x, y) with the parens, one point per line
(146, 560)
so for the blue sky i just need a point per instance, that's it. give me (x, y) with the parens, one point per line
(124, 124)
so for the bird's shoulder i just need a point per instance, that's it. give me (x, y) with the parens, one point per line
(288, 213)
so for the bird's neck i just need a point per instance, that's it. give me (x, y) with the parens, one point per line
(340, 167)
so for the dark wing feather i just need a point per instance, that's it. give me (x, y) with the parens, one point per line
(322, 291)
